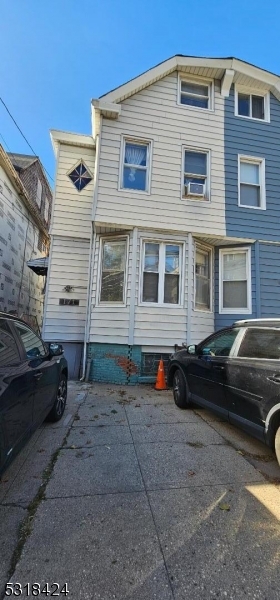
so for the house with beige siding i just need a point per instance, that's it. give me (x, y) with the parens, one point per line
(163, 218)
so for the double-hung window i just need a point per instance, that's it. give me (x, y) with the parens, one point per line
(252, 106)
(161, 277)
(113, 270)
(202, 279)
(196, 174)
(197, 93)
(136, 165)
(251, 182)
(235, 280)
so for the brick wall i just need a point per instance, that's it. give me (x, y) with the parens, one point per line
(115, 363)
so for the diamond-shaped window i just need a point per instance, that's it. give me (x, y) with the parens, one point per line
(80, 176)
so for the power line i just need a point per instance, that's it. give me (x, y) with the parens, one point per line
(17, 126)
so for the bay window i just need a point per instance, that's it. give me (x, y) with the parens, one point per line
(113, 270)
(202, 279)
(161, 273)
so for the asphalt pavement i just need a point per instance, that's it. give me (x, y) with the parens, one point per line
(130, 498)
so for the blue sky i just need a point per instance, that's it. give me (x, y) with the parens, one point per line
(58, 54)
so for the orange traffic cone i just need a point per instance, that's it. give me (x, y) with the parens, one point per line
(160, 382)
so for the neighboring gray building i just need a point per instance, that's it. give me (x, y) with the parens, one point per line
(23, 237)
(32, 175)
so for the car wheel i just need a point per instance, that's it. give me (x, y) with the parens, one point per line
(60, 401)
(180, 390)
(277, 445)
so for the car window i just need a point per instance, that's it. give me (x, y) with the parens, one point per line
(260, 343)
(34, 347)
(9, 353)
(219, 345)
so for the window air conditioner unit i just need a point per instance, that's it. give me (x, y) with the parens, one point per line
(195, 189)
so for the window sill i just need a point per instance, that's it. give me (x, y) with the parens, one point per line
(130, 190)
(252, 118)
(252, 207)
(235, 311)
(197, 199)
(209, 311)
(195, 108)
(111, 305)
(156, 305)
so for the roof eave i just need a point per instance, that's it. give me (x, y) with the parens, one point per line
(71, 139)
(13, 176)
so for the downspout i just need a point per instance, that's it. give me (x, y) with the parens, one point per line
(92, 252)
(190, 287)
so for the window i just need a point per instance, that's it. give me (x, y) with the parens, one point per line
(220, 344)
(252, 106)
(251, 182)
(196, 93)
(47, 208)
(9, 353)
(235, 281)
(33, 346)
(202, 279)
(161, 273)
(113, 270)
(196, 174)
(80, 176)
(39, 193)
(135, 170)
(261, 343)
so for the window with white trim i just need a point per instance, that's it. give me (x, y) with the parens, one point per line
(202, 278)
(251, 182)
(196, 174)
(196, 93)
(235, 280)
(252, 105)
(113, 270)
(161, 276)
(136, 165)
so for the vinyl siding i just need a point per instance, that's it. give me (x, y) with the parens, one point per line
(160, 325)
(153, 114)
(269, 271)
(252, 138)
(72, 210)
(21, 290)
(69, 259)
(109, 324)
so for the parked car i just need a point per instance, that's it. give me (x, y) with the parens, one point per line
(33, 384)
(236, 373)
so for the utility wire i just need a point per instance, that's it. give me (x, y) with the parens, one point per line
(17, 126)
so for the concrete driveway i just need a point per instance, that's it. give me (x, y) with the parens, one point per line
(129, 498)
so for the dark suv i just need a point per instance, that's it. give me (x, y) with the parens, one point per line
(33, 384)
(236, 373)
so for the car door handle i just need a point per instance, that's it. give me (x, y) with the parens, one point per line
(218, 367)
(38, 375)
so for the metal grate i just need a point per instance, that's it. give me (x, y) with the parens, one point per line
(149, 363)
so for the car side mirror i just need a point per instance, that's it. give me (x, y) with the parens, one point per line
(191, 349)
(55, 349)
